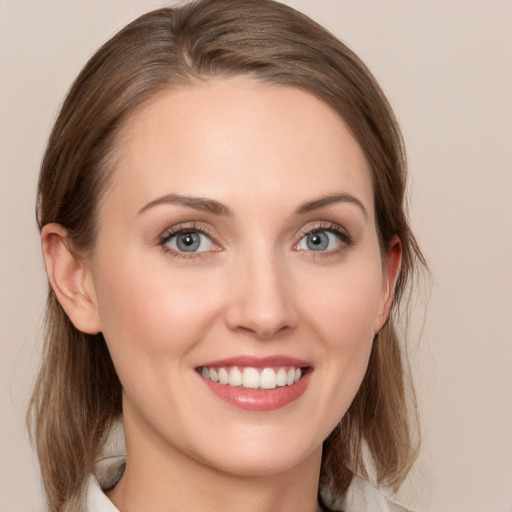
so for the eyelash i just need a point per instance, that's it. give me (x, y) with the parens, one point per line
(346, 240)
(182, 229)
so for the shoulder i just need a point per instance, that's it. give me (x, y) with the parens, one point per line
(361, 496)
(108, 469)
(96, 500)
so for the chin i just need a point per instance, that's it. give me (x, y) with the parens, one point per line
(262, 464)
(259, 454)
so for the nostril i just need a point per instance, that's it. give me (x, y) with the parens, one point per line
(263, 333)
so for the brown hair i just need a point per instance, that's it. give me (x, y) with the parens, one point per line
(77, 394)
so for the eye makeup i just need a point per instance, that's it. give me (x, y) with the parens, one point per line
(193, 237)
(315, 240)
(191, 240)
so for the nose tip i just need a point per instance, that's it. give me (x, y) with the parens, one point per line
(263, 327)
(262, 305)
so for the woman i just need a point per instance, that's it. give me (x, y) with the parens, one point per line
(221, 213)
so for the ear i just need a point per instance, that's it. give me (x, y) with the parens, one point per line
(70, 279)
(391, 271)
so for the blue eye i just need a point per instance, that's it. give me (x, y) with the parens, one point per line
(189, 241)
(320, 240)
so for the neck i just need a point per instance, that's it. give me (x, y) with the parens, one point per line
(160, 478)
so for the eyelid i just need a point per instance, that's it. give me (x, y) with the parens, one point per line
(186, 227)
(344, 236)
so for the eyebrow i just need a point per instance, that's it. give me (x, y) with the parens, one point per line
(212, 206)
(321, 202)
(197, 203)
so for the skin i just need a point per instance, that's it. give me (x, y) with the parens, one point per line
(256, 289)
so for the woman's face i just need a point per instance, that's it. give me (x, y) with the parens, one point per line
(237, 243)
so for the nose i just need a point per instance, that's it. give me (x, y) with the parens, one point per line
(261, 303)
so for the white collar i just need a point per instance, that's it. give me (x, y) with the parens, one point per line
(96, 500)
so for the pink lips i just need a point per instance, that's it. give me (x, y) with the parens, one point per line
(260, 362)
(258, 399)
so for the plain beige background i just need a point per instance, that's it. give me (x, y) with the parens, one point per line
(446, 68)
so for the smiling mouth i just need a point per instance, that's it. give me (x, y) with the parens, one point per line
(253, 378)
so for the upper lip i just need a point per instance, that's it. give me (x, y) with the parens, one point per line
(259, 362)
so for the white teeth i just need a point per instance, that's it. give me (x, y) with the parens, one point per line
(252, 378)
(223, 376)
(235, 377)
(268, 379)
(281, 377)
(214, 375)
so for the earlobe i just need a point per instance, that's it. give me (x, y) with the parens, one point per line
(70, 279)
(391, 273)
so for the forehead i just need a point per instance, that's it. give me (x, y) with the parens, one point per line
(238, 140)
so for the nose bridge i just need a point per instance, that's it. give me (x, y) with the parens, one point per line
(262, 302)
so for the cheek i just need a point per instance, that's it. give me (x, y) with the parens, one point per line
(150, 317)
(152, 325)
(342, 313)
(344, 303)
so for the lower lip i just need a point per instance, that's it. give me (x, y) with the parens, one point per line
(257, 399)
